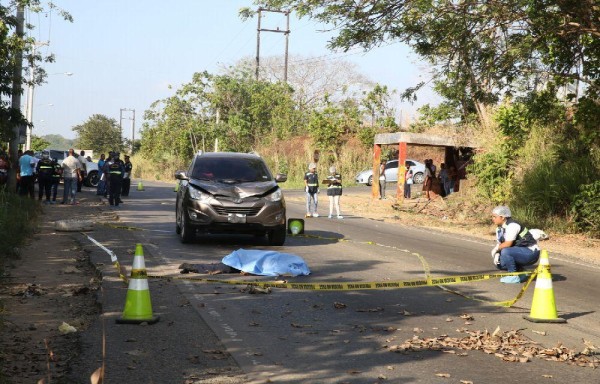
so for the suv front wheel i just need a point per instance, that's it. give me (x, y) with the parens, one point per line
(186, 231)
(277, 236)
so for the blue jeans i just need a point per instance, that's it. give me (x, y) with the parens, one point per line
(314, 198)
(512, 258)
(70, 189)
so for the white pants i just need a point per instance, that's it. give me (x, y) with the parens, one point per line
(334, 201)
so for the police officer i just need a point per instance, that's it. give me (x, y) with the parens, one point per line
(516, 246)
(115, 174)
(127, 177)
(56, 175)
(44, 170)
(311, 186)
(334, 191)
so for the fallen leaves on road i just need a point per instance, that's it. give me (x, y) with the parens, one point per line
(511, 346)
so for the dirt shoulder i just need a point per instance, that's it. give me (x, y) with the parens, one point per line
(54, 281)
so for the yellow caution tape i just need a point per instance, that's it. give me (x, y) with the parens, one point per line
(439, 282)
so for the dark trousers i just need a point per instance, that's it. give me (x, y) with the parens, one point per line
(125, 187)
(114, 191)
(80, 182)
(26, 186)
(54, 187)
(44, 184)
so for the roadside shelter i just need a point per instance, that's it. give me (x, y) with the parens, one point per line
(452, 148)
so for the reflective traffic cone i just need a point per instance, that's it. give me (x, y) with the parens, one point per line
(140, 186)
(138, 307)
(296, 226)
(543, 307)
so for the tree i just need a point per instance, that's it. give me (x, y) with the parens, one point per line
(12, 47)
(480, 50)
(100, 134)
(39, 143)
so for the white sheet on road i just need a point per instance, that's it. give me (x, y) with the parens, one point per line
(266, 263)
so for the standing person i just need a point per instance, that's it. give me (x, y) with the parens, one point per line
(105, 170)
(445, 179)
(453, 175)
(334, 191)
(428, 178)
(515, 246)
(82, 171)
(56, 175)
(115, 173)
(101, 176)
(4, 169)
(382, 180)
(408, 181)
(19, 154)
(71, 175)
(45, 169)
(311, 186)
(26, 176)
(126, 177)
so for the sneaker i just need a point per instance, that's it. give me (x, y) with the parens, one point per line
(510, 280)
(340, 217)
(307, 215)
(329, 217)
(315, 215)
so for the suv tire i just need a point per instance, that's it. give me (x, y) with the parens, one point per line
(186, 231)
(277, 236)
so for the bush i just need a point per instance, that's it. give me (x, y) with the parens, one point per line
(17, 221)
(585, 209)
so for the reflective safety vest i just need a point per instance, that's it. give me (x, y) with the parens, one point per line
(45, 167)
(115, 169)
(312, 180)
(524, 238)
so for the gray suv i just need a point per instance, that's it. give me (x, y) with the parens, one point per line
(227, 192)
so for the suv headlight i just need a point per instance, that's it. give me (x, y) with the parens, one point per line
(275, 196)
(196, 194)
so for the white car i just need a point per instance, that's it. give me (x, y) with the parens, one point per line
(391, 173)
(91, 179)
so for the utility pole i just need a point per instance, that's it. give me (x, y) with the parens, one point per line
(132, 125)
(16, 100)
(287, 35)
(30, 90)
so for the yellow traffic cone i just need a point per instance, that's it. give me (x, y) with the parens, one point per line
(140, 186)
(138, 307)
(296, 226)
(543, 307)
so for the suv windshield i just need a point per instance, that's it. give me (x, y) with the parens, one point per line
(231, 170)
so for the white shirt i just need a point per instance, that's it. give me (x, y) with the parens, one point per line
(511, 231)
(70, 166)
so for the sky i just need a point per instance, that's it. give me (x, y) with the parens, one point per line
(126, 55)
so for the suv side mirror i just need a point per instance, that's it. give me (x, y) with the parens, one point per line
(180, 175)
(280, 177)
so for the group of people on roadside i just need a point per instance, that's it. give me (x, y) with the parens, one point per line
(334, 191)
(114, 177)
(114, 174)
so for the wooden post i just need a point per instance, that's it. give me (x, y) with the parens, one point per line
(376, 162)
(401, 170)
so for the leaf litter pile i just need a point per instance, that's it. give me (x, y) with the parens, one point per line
(511, 346)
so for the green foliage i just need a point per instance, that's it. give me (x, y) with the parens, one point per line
(58, 142)
(17, 220)
(13, 48)
(38, 143)
(493, 173)
(585, 209)
(430, 116)
(100, 134)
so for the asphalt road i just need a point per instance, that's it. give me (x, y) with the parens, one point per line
(301, 337)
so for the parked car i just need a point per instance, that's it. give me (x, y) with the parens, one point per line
(391, 173)
(91, 178)
(227, 192)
